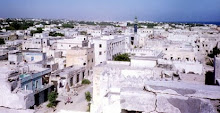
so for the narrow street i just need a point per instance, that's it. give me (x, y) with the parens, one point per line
(79, 103)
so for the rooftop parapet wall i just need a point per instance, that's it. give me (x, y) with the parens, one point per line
(143, 52)
(17, 100)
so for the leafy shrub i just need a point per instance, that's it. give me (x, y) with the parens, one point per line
(88, 96)
(52, 99)
(39, 30)
(55, 34)
(86, 81)
(50, 105)
(122, 57)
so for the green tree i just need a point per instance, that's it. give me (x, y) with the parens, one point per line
(67, 25)
(55, 34)
(86, 81)
(39, 30)
(122, 57)
(18, 25)
(88, 96)
(52, 99)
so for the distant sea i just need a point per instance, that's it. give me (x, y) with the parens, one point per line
(216, 23)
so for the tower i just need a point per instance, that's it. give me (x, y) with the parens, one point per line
(135, 25)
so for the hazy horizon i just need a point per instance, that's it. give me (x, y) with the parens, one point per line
(114, 10)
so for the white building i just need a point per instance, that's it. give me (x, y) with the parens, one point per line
(107, 47)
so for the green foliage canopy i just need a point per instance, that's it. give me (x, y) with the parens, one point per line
(55, 34)
(88, 96)
(52, 99)
(122, 57)
(86, 81)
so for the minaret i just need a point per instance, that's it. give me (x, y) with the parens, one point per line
(135, 25)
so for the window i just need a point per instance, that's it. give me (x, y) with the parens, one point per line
(100, 53)
(132, 43)
(71, 81)
(32, 58)
(36, 82)
(83, 74)
(77, 78)
(26, 87)
(100, 45)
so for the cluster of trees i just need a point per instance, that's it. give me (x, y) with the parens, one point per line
(43, 23)
(194, 25)
(149, 25)
(19, 25)
(55, 34)
(122, 57)
(68, 25)
(87, 23)
(39, 30)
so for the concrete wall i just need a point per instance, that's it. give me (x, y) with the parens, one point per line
(81, 57)
(187, 66)
(143, 63)
(19, 100)
(100, 58)
(33, 84)
(34, 56)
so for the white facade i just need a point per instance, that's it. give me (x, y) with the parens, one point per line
(107, 47)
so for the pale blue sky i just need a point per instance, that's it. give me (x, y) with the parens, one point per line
(118, 10)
